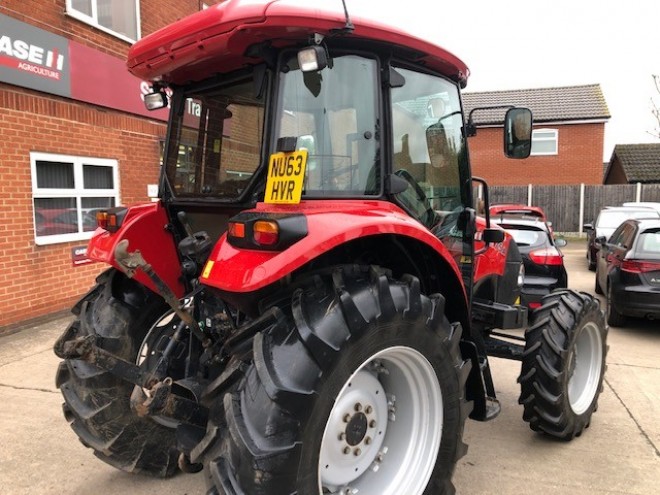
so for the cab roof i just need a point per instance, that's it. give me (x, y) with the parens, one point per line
(216, 40)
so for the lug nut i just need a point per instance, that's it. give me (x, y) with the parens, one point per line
(368, 410)
(357, 452)
(342, 436)
(372, 423)
(358, 407)
(346, 450)
(367, 440)
(347, 418)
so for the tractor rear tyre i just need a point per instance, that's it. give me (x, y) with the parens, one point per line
(563, 364)
(359, 386)
(119, 312)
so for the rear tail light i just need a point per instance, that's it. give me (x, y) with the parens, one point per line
(546, 256)
(111, 219)
(236, 229)
(266, 233)
(534, 305)
(638, 266)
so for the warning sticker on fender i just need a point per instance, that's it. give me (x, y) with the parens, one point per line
(286, 172)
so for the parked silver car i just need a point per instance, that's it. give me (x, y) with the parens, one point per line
(608, 220)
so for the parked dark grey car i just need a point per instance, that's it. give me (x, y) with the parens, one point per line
(543, 261)
(628, 271)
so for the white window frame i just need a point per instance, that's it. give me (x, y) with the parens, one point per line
(78, 192)
(93, 20)
(553, 137)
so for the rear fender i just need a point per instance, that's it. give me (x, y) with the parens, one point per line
(330, 224)
(145, 227)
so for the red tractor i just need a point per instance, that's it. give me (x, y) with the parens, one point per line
(311, 306)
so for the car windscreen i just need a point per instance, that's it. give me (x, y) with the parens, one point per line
(526, 236)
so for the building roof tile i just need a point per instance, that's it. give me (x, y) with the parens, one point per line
(640, 162)
(559, 104)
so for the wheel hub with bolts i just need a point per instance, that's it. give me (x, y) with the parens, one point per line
(370, 445)
(358, 423)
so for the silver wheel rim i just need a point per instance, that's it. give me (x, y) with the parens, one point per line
(585, 368)
(383, 433)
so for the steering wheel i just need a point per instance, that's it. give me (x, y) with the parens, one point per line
(414, 199)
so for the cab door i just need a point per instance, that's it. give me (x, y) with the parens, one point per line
(430, 153)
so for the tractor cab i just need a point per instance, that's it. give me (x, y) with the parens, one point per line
(324, 119)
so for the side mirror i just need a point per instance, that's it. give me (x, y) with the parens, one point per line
(588, 226)
(493, 236)
(518, 132)
(600, 241)
(155, 100)
(560, 242)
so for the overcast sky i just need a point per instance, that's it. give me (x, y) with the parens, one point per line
(519, 44)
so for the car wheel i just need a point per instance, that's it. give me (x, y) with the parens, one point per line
(614, 318)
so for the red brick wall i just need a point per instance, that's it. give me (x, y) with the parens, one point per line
(36, 280)
(580, 158)
(39, 280)
(50, 16)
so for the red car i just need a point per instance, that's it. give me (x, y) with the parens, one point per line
(518, 209)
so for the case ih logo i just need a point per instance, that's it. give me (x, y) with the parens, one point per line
(19, 54)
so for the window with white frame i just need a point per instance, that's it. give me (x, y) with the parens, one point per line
(118, 17)
(545, 142)
(66, 193)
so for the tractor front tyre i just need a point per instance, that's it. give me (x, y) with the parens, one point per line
(118, 312)
(563, 364)
(359, 387)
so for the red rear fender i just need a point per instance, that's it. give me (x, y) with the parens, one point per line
(329, 224)
(144, 227)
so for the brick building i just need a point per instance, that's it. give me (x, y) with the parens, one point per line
(567, 142)
(74, 136)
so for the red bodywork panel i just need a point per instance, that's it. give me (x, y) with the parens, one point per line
(145, 229)
(492, 261)
(330, 223)
(215, 40)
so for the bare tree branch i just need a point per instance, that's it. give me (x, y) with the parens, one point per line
(655, 107)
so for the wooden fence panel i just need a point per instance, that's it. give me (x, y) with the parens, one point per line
(650, 192)
(562, 203)
(597, 197)
(508, 194)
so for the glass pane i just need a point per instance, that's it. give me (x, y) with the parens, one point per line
(97, 177)
(544, 147)
(119, 16)
(53, 216)
(89, 208)
(333, 114)
(428, 143)
(54, 175)
(545, 134)
(217, 143)
(82, 6)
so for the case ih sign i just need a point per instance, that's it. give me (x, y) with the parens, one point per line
(34, 58)
(37, 59)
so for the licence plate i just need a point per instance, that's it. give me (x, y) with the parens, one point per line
(286, 172)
